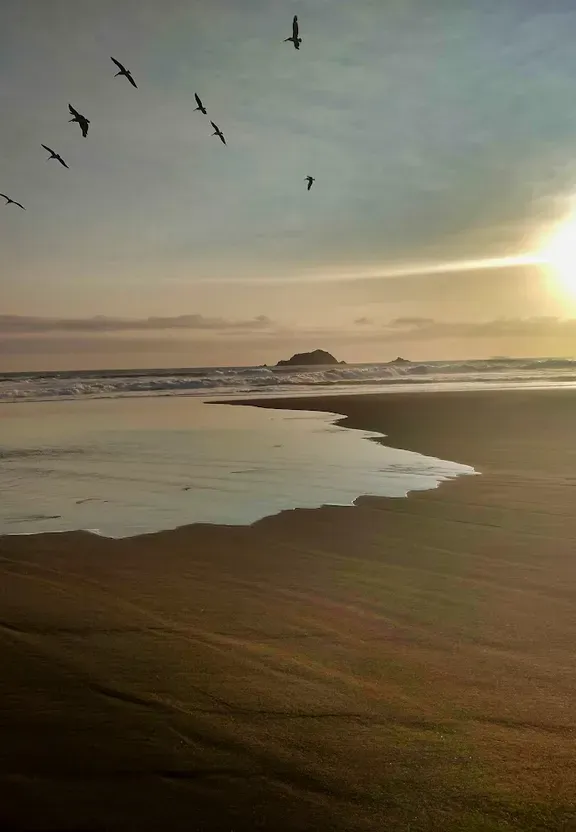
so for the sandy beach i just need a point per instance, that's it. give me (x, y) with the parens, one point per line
(405, 664)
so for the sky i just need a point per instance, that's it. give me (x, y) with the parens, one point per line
(441, 133)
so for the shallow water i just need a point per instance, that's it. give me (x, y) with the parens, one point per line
(126, 466)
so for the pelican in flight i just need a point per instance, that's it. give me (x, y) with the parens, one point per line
(295, 39)
(218, 132)
(200, 106)
(54, 155)
(123, 71)
(310, 180)
(12, 201)
(82, 120)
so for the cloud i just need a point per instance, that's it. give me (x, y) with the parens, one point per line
(40, 346)
(37, 330)
(427, 329)
(413, 322)
(29, 325)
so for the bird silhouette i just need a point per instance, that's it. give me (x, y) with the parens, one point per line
(54, 155)
(12, 201)
(200, 106)
(125, 72)
(81, 120)
(310, 180)
(218, 132)
(295, 39)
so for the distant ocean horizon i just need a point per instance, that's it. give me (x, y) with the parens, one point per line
(499, 373)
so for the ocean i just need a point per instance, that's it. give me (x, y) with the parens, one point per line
(273, 381)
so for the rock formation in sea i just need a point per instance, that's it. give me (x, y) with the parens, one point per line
(304, 359)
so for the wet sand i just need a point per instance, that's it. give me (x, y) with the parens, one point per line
(404, 664)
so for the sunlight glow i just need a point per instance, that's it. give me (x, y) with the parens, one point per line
(445, 267)
(323, 274)
(559, 253)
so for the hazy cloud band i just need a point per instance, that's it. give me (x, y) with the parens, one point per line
(29, 325)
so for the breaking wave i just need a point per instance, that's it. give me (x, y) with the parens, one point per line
(235, 381)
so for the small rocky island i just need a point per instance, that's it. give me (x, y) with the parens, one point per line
(305, 359)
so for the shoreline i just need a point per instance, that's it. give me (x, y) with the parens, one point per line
(334, 419)
(407, 664)
(354, 411)
(351, 413)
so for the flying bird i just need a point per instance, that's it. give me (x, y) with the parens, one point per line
(81, 120)
(125, 72)
(12, 201)
(54, 155)
(200, 106)
(310, 180)
(218, 133)
(295, 39)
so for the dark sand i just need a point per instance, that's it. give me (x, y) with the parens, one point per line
(402, 665)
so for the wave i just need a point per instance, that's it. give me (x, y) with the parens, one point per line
(9, 454)
(233, 381)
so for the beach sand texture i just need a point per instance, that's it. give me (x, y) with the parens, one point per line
(403, 665)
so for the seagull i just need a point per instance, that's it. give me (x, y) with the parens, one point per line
(295, 39)
(54, 155)
(310, 180)
(124, 71)
(218, 133)
(200, 106)
(82, 120)
(12, 201)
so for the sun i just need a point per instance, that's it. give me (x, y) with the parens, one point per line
(558, 252)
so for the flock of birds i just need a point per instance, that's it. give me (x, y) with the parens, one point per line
(84, 123)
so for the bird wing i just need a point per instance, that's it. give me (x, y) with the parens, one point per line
(74, 112)
(5, 197)
(62, 162)
(222, 139)
(214, 126)
(118, 64)
(84, 127)
(132, 81)
(295, 26)
(49, 149)
(18, 204)
(198, 101)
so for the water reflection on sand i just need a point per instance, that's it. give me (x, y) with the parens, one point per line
(126, 467)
